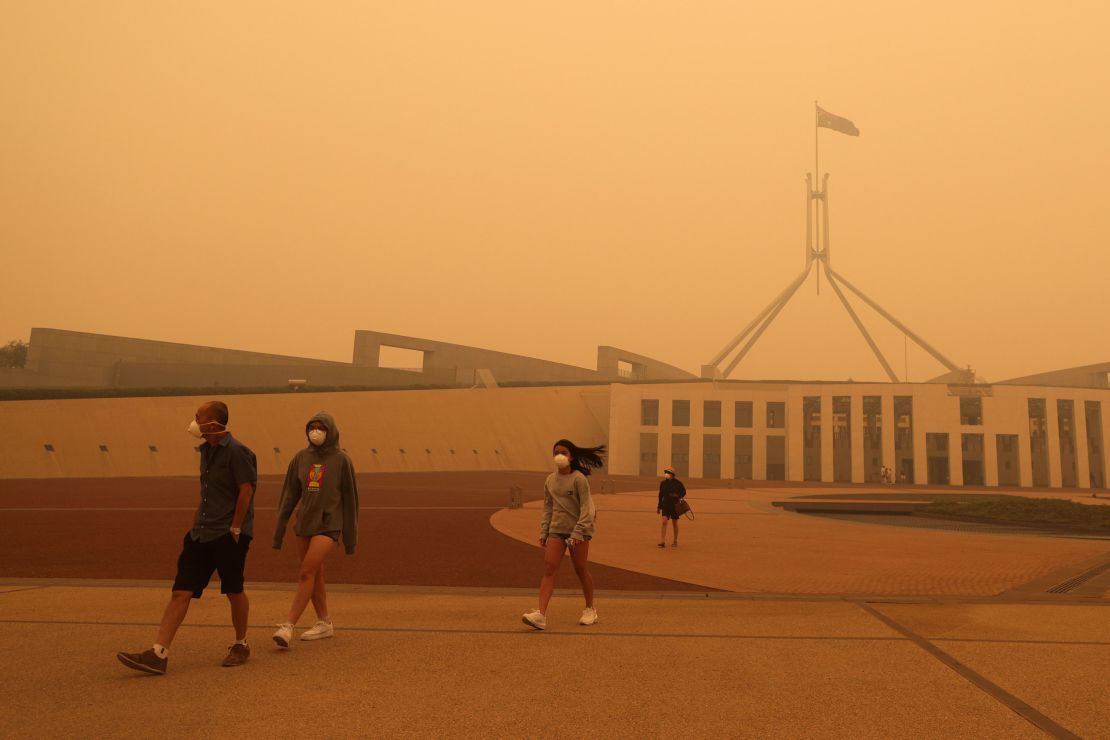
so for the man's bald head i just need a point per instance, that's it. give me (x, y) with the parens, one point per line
(213, 411)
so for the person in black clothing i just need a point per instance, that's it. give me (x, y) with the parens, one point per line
(217, 542)
(670, 491)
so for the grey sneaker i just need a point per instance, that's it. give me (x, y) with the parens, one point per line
(146, 661)
(237, 655)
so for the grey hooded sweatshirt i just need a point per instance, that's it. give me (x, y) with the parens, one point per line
(322, 480)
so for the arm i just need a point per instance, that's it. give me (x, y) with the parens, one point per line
(242, 503)
(290, 495)
(659, 503)
(545, 524)
(586, 510)
(245, 471)
(681, 490)
(350, 507)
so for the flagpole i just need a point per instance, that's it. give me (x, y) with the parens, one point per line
(816, 147)
(816, 179)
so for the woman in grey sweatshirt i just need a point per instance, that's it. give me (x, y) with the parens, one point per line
(321, 478)
(568, 523)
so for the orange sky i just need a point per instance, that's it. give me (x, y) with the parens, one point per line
(542, 178)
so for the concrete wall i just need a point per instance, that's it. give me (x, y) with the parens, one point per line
(456, 429)
(507, 368)
(642, 368)
(198, 375)
(1087, 376)
(68, 358)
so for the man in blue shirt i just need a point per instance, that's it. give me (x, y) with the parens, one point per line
(217, 542)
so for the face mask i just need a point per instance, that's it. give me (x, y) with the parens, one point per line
(561, 461)
(194, 428)
(668, 475)
(317, 436)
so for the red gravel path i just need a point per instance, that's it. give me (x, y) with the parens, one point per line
(407, 546)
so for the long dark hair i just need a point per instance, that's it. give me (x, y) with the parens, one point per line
(582, 459)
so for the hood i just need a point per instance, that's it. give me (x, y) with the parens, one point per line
(332, 442)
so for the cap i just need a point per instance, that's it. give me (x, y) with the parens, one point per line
(670, 470)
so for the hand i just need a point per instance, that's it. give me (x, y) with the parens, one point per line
(543, 542)
(235, 537)
(574, 543)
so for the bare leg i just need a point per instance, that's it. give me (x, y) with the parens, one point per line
(173, 616)
(318, 548)
(580, 555)
(674, 523)
(240, 610)
(319, 595)
(663, 532)
(552, 556)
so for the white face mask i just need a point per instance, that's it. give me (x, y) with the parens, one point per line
(317, 436)
(194, 428)
(668, 475)
(561, 461)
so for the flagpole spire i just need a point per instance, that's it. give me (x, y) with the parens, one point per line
(818, 250)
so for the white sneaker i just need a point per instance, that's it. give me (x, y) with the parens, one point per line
(536, 619)
(318, 631)
(589, 616)
(284, 634)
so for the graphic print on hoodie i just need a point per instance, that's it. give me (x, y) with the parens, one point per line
(321, 479)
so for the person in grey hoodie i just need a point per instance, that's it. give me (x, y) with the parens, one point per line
(321, 478)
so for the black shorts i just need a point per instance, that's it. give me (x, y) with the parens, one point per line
(198, 560)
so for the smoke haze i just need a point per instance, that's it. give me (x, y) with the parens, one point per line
(541, 178)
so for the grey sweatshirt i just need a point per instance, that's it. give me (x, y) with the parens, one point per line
(568, 507)
(322, 480)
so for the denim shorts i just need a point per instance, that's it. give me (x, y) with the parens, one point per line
(565, 537)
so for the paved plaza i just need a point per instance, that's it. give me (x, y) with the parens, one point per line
(762, 623)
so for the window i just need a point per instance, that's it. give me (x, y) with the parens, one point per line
(1038, 440)
(711, 413)
(1065, 415)
(742, 454)
(811, 438)
(776, 415)
(401, 358)
(649, 453)
(649, 412)
(744, 414)
(936, 447)
(776, 457)
(680, 413)
(711, 456)
(680, 454)
(971, 411)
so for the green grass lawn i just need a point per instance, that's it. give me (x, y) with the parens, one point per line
(1019, 510)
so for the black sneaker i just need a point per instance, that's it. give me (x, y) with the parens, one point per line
(146, 661)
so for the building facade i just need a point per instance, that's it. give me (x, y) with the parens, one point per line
(989, 435)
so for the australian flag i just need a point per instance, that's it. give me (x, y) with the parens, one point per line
(836, 123)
